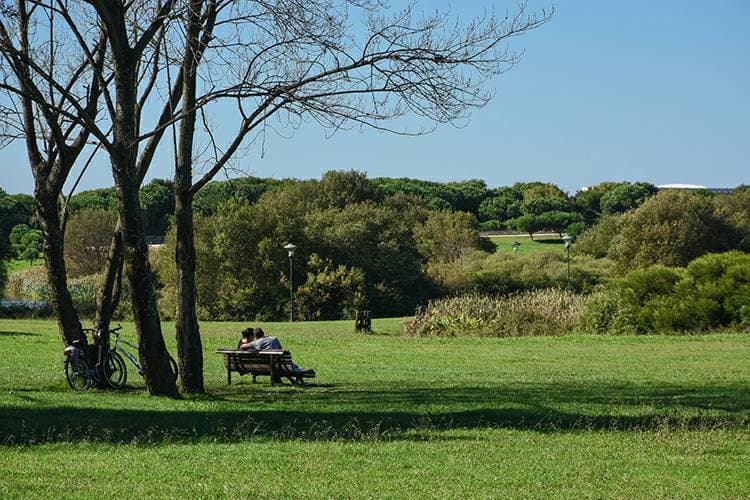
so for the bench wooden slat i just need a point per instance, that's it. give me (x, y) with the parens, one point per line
(273, 362)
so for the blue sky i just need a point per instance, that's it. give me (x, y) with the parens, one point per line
(637, 90)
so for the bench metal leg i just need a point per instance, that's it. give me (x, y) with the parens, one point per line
(229, 377)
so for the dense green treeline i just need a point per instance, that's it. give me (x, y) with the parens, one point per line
(354, 251)
(527, 207)
(388, 245)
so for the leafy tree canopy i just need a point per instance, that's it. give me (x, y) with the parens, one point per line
(14, 210)
(588, 200)
(532, 190)
(31, 245)
(626, 196)
(100, 199)
(671, 228)
(157, 206)
(735, 209)
(502, 205)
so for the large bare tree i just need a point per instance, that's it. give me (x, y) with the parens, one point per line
(123, 60)
(52, 96)
(280, 63)
(285, 61)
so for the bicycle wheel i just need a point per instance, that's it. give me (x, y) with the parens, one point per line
(77, 374)
(115, 371)
(173, 367)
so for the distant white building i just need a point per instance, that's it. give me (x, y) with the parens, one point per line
(694, 187)
(681, 186)
(688, 187)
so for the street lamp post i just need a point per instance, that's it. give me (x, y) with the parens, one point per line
(291, 247)
(568, 240)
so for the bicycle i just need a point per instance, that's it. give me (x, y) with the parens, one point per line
(131, 357)
(110, 367)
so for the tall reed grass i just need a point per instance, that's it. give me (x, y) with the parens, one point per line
(542, 312)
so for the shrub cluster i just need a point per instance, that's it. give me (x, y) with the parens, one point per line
(354, 250)
(544, 312)
(671, 228)
(30, 284)
(712, 292)
(29, 294)
(504, 273)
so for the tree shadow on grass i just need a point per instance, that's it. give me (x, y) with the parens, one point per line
(19, 334)
(409, 414)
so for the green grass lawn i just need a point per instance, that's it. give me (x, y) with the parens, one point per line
(16, 265)
(540, 243)
(391, 416)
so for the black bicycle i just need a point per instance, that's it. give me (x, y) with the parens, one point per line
(109, 367)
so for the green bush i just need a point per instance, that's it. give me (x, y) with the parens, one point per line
(330, 292)
(503, 273)
(493, 225)
(735, 209)
(712, 292)
(576, 229)
(31, 285)
(242, 268)
(598, 239)
(543, 312)
(87, 238)
(445, 236)
(671, 228)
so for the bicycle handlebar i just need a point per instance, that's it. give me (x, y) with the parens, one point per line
(96, 330)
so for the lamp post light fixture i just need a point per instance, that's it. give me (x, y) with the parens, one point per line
(290, 248)
(567, 239)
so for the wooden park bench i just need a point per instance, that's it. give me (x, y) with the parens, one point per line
(276, 363)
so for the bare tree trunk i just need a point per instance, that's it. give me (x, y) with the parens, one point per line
(153, 351)
(48, 212)
(189, 345)
(111, 285)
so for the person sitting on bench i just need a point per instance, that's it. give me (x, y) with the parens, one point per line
(254, 338)
(262, 343)
(246, 339)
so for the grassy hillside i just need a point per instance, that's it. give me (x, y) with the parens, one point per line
(391, 416)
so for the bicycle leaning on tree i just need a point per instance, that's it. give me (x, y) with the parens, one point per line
(109, 366)
(119, 349)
